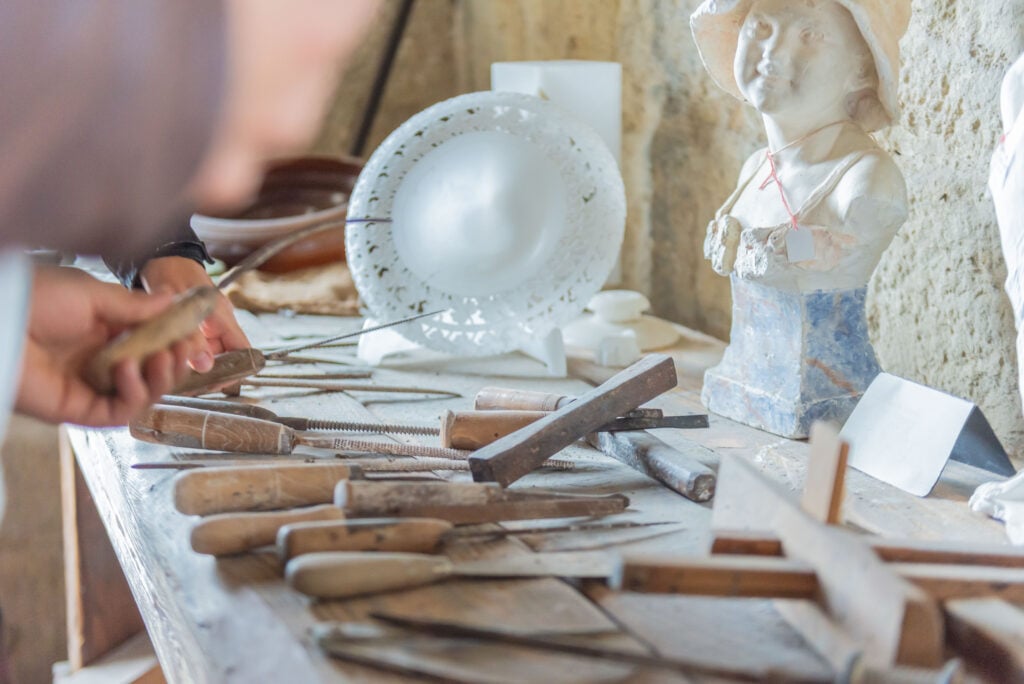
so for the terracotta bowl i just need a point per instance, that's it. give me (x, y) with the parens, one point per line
(295, 193)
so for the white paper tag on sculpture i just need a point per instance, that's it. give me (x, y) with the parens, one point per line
(799, 244)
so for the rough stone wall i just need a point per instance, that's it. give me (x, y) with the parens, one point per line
(421, 74)
(936, 302)
(936, 306)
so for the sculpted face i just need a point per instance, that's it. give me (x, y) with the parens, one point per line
(799, 57)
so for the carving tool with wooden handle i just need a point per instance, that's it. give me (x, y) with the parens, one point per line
(510, 399)
(226, 534)
(505, 398)
(198, 429)
(516, 454)
(459, 429)
(679, 470)
(475, 429)
(233, 530)
(259, 488)
(327, 386)
(410, 535)
(267, 487)
(465, 502)
(345, 574)
(381, 465)
(239, 364)
(296, 422)
(176, 322)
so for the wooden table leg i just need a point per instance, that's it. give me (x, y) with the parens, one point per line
(101, 611)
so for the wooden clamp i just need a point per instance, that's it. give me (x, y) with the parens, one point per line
(516, 454)
(867, 605)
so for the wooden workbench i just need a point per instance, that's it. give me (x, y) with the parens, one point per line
(234, 620)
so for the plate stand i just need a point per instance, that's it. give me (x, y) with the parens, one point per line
(376, 346)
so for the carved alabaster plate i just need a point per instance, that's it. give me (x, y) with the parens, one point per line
(504, 210)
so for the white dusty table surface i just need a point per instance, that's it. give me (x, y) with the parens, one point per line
(234, 619)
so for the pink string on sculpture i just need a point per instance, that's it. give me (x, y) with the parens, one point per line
(774, 176)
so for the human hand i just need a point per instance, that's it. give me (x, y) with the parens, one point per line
(221, 333)
(72, 316)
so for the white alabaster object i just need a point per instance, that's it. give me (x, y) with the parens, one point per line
(1004, 500)
(816, 208)
(813, 212)
(505, 211)
(590, 91)
(615, 313)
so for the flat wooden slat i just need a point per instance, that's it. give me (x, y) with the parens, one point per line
(761, 577)
(824, 485)
(101, 612)
(890, 550)
(990, 634)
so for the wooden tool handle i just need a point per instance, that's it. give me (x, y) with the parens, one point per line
(384, 499)
(497, 398)
(227, 368)
(258, 488)
(675, 468)
(474, 429)
(235, 408)
(462, 503)
(412, 535)
(342, 574)
(176, 322)
(196, 429)
(228, 533)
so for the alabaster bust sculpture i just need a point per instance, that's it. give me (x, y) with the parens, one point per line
(813, 211)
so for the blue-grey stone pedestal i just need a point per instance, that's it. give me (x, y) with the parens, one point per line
(793, 358)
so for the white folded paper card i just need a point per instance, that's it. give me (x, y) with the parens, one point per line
(903, 433)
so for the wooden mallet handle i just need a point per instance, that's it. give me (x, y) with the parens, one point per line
(474, 429)
(498, 398)
(341, 574)
(228, 533)
(258, 487)
(197, 429)
(411, 535)
(228, 367)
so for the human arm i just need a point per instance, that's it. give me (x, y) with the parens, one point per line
(71, 316)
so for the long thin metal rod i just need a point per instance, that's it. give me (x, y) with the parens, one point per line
(552, 642)
(281, 353)
(372, 465)
(346, 387)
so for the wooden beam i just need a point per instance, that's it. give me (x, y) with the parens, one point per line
(782, 578)
(523, 451)
(717, 576)
(826, 474)
(989, 633)
(890, 550)
(101, 612)
(895, 622)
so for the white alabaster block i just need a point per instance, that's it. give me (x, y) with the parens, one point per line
(590, 91)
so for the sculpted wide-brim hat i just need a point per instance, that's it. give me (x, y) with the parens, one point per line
(716, 28)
